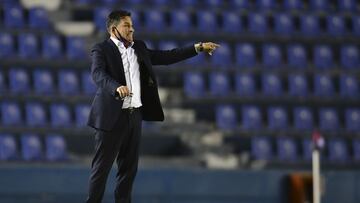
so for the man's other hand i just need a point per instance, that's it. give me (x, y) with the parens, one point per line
(123, 91)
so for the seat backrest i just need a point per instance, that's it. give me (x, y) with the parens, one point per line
(11, 114)
(60, 115)
(286, 149)
(298, 85)
(245, 84)
(261, 148)
(251, 117)
(303, 118)
(328, 119)
(56, 149)
(219, 84)
(35, 114)
(277, 118)
(7, 45)
(226, 117)
(194, 84)
(31, 147)
(43, 81)
(68, 82)
(8, 147)
(271, 84)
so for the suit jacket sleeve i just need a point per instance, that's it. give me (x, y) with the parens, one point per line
(98, 72)
(166, 57)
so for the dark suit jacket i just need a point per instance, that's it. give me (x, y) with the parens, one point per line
(107, 72)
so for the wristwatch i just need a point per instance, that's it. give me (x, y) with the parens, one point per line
(201, 48)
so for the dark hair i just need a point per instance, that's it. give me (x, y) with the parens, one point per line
(114, 18)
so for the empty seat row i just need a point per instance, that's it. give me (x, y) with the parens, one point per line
(33, 148)
(337, 149)
(44, 81)
(37, 114)
(14, 16)
(316, 5)
(207, 22)
(278, 118)
(221, 84)
(50, 46)
(293, 55)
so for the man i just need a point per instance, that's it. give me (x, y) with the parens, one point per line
(127, 94)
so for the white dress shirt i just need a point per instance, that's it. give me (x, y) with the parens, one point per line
(132, 74)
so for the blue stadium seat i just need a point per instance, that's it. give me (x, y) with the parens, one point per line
(60, 115)
(82, 112)
(56, 149)
(319, 5)
(28, 46)
(100, 14)
(75, 48)
(271, 56)
(286, 149)
(261, 148)
(271, 85)
(43, 81)
(38, 18)
(245, 55)
(231, 22)
(68, 82)
(352, 119)
(214, 3)
(35, 114)
(219, 84)
(266, 4)
(87, 84)
(194, 84)
(296, 56)
(167, 45)
(51, 47)
(350, 57)
(7, 45)
(19, 81)
(226, 117)
(277, 118)
(31, 147)
(328, 119)
(298, 85)
(323, 57)
(307, 148)
(251, 117)
(239, 4)
(180, 21)
(154, 21)
(293, 4)
(8, 147)
(303, 118)
(283, 24)
(223, 56)
(349, 86)
(309, 25)
(356, 149)
(11, 114)
(13, 16)
(356, 25)
(245, 84)
(109, 2)
(337, 150)
(323, 85)
(206, 22)
(335, 25)
(189, 3)
(257, 23)
(3, 86)
(346, 5)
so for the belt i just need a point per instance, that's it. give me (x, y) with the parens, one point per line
(131, 109)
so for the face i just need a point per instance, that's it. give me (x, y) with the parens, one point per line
(125, 28)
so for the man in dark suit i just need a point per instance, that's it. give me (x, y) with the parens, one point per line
(127, 94)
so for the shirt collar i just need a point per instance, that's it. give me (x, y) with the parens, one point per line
(119, 43)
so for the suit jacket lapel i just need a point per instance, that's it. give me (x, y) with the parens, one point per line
(117, 56)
